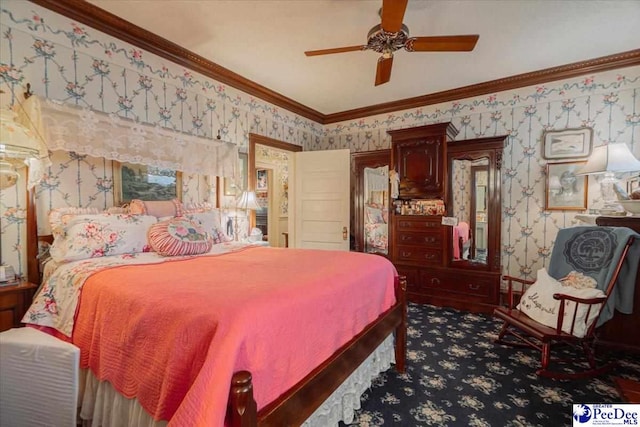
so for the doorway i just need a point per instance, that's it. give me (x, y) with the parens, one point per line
(274, 160)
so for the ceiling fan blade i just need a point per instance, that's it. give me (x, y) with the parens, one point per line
(383, 71)
(393, 14)
(335, 50)
(442, 43)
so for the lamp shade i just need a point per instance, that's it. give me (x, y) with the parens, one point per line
(18, 146)
(614, 157)
(17, 143)
(248, 201)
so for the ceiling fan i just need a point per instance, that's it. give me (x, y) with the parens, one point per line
(392, 35)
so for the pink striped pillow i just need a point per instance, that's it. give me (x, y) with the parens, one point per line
(179, 236)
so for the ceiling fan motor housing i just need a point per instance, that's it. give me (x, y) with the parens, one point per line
(386, 43)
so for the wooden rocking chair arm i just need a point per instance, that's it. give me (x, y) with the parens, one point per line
(589, 301)
(518, 279)
(512, 294)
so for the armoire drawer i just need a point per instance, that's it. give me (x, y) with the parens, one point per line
(453, 282)
(417, 254)
(417, 223)
(428, 239)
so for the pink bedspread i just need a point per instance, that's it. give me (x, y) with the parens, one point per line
(172, 334)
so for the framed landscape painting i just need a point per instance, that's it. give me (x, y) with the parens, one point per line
(567, 144)
(133, 181)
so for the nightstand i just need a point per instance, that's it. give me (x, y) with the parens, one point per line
(14, 302)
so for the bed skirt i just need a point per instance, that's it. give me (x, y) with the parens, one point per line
(102, 406)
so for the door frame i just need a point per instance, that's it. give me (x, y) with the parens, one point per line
(255, 139)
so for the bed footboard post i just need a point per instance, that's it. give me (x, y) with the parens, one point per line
(401, 329)
(243, 411)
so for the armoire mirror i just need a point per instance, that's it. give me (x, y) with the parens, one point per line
(370, 192)
(474, 200)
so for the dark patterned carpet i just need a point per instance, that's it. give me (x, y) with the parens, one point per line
(457, 376)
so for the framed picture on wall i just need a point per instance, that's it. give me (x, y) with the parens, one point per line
(261, 180)
(566, 191)
(567, 143)
(133, 181)
(233, 188)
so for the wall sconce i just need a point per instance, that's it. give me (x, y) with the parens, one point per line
(17, 147)
(20, 146)
(607, 160)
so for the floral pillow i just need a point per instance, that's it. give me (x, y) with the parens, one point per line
(210, 221)
(91, 236)
(179, 236)
(60, 217)
(374, 215)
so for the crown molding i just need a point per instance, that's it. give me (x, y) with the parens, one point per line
(101, 20)
(108, 23)
(604, 63)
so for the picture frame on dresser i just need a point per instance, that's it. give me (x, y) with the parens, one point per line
(567, 144)
(565, 191)
(633, 184)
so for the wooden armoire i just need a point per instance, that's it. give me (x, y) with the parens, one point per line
(421, 247)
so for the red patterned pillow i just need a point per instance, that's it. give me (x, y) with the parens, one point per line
(179, 236)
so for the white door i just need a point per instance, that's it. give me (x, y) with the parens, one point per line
(322, 199)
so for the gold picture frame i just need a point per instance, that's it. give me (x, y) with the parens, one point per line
(133, 181)
(566, 191)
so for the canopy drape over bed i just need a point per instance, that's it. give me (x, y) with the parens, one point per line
(85, 131)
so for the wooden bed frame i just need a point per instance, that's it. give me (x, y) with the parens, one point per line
(298, 403)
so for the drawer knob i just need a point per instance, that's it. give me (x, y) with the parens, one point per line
(406, 254)
(474, 287)
(429, 239)
(435, 281)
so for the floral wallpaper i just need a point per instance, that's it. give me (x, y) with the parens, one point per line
(279, 161)
(67, 61)
(607, 102)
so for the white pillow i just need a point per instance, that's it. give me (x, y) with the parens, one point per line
(539, 304)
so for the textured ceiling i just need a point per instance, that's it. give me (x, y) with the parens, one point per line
(264, 41)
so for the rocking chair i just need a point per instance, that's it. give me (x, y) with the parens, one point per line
(606, 254)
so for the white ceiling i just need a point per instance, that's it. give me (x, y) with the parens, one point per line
(264, 41)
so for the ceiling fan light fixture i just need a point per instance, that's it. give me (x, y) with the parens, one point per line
(381, 41)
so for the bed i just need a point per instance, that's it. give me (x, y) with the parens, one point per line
(199, 385)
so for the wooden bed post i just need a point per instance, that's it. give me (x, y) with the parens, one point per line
(33, 270)
(401, 329)
(298, 403)
(243, 411)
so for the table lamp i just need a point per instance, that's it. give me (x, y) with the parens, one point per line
(607, 160)
(246, 202)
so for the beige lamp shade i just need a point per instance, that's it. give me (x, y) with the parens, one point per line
(248, 201)
(614, 157)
